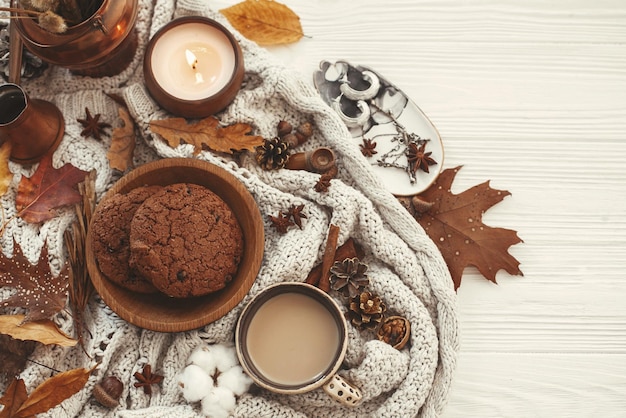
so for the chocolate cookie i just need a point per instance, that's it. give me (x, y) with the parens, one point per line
(186, 240)
(110, 228)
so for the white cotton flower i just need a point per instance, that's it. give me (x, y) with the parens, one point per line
(235, 379)
(225, 356)
(195, 383)
(219, 403)
(203, 357)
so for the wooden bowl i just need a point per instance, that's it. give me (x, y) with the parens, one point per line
(159, 312)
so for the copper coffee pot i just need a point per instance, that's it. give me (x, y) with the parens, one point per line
(34, 127)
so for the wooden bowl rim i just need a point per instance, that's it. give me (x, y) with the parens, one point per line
(158, 312)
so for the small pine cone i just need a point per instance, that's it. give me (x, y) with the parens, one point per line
(349, 277)
(366, 311)
(273, 154)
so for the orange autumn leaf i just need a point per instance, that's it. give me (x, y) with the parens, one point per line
(48, 189)
(13, 399)
(53, 391)
(265, 22)
(206, 132)
(454, 223)
(5, 174)
(44, 331)
(122, 147)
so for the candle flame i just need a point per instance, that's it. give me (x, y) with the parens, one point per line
(191, 59)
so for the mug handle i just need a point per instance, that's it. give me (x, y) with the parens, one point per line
(343, 391)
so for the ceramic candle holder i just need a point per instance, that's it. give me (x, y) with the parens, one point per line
(193, 67)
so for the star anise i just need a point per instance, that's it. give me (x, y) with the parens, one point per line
(419, 159)
(368, 147)
(92, 127)
(146, 379)
(295, 213)
(323, 183)
(281, 222)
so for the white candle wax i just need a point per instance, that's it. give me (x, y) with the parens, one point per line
(211, 70)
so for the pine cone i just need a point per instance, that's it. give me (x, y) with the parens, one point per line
(273, 154)
(366, 311)
(349, 277)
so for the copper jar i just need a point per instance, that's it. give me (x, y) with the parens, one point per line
(102, 45)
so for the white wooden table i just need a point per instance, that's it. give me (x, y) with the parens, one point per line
(531, 95)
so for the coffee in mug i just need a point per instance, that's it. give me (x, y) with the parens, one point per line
(292, 338)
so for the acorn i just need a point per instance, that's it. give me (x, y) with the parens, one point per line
(284, 128)
(108, 391)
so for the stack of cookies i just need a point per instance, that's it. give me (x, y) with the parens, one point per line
(182, 240)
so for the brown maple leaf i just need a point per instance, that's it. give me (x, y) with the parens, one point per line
(265, 22)
(454, 223)
(122, 147)
(48, 189)
(207, 132)
(38, 290)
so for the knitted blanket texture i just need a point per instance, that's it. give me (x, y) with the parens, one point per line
(405, 268)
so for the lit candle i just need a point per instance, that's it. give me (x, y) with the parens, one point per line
(193, 67)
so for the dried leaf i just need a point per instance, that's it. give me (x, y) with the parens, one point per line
(265, 22)
(454, 223)
(13, 398)
(38, 290)
(122, 147)
(206, 132)
(44, 331)
(5, 174)
(53, 391)
(47, 189)
(13, 355)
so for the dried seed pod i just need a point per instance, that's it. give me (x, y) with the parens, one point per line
(273, 154)
(366, 311)
(108, 391)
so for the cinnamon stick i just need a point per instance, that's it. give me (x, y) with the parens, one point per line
(329, 257)
(349, 249)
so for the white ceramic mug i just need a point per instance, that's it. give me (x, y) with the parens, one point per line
(292, 338)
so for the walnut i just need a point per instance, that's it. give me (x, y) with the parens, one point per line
(395, 331)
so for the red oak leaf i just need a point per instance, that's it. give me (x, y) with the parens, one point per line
(47, 189)
(454, 223)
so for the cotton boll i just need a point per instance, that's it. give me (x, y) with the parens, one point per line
(203, 357)
(219, 403)
(195, 383)
(235, 380)
(225, 356)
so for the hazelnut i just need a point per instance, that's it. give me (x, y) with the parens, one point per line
(284, 128)
(108, 391)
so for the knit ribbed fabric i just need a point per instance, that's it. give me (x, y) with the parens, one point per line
(405, 268)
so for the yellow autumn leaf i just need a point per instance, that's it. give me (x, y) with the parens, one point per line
(265, 22)
(122, 147)
(5, 174)
(44, 331)
(206, 132)
(53, 391)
